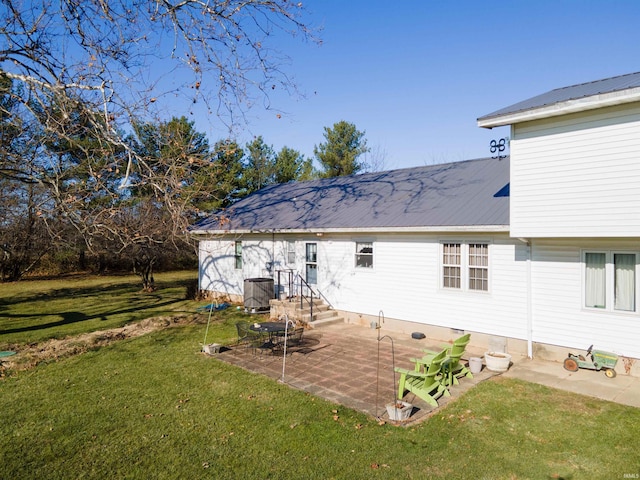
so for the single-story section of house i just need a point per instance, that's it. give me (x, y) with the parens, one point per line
(538, 250)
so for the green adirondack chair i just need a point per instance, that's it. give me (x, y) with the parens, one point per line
(425, 385)
(452, 367)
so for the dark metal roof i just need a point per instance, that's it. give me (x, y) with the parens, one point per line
(469, 193)
(574, 92)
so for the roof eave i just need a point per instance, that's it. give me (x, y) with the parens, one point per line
(562, 108)
(315, 231)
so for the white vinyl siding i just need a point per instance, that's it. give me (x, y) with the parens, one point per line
(217, 267)
(577, 175)
(407, 284)
(560, 314)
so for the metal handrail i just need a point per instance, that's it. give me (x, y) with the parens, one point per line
(295, 281)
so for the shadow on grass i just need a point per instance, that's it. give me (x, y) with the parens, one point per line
(113, 289)
(74, 317)
(38, 311)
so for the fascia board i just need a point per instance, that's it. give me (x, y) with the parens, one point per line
(425, 229)
(563, 108)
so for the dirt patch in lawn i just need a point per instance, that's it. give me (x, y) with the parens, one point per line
(28, 356)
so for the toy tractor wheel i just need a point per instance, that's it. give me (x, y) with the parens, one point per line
(570, 364)
(610, 373)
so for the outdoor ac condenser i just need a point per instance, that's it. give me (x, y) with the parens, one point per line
(257, 293)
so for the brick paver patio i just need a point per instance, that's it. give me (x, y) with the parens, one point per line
(348, 365)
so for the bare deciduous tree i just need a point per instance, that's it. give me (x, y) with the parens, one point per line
(80, 74)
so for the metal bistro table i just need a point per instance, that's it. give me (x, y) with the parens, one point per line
(274, 330)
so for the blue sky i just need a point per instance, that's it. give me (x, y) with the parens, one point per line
(415, 75)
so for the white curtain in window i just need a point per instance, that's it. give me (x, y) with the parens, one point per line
(595, 292)
(625, 281)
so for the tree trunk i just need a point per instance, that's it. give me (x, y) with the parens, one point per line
(143, 267)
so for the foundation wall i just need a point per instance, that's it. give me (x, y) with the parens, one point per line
(480, 342)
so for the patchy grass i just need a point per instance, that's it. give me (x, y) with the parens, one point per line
(153, 406)
(34, 311)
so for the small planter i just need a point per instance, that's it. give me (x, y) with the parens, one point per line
(475, 365)
(497, 361)
(399, 410)
(212, 348)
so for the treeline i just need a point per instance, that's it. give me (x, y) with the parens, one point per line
(72, 202)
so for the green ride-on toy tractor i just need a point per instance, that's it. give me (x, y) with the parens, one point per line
(599, 361)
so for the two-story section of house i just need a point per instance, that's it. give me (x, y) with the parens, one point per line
(575, 200)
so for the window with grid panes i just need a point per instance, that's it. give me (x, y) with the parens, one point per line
(479, 266)
(451, 265)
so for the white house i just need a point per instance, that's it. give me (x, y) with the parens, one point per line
(539, 250)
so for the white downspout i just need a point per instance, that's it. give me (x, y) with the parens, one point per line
(529, 302)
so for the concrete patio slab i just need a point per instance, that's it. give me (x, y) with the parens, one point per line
(325, 363)
(624, 389)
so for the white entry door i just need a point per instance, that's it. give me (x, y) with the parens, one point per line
(311, 263)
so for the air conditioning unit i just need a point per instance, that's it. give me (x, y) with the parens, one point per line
(257, 293)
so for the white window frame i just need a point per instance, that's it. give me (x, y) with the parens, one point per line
(237, 255)
(610, 294)
(451, 268)
(478, 262)
(360, 256)
(464, 263)
(291, 252)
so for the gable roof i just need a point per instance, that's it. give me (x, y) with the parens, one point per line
(575, 98)
(470, 195)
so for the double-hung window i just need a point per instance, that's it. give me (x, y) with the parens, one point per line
(364, 254)
(479, 266)
(291, 253)
(610, 280)
(465, 266)
(238, 255)
(451, 265)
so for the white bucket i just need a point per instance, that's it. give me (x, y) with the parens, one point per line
(475, 365)
(211, 348)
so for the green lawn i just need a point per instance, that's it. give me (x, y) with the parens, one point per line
(155, 407)
(33, 311)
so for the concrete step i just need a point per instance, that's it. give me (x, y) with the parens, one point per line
(296, 302)
(323, 315)
(327, 321)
